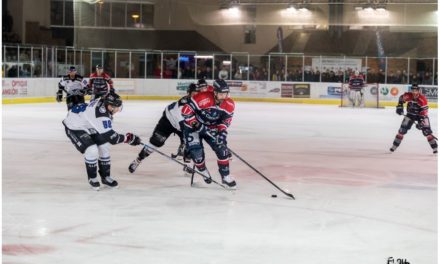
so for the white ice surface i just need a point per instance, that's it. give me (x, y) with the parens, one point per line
(356, 202)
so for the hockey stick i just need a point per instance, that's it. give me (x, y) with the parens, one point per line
(183, 164)
(192, 174)
(257, 171)
(261, 174)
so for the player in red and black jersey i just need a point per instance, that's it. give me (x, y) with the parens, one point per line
(100, 83)
(207, 116)
(416, 111)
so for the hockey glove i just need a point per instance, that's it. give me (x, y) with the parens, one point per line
(132, 139)
(59, 96)
(88, 90)
(399, 109)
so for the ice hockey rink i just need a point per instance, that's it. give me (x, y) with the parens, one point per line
(355, 201)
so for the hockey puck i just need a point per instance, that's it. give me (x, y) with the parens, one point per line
(274, 196)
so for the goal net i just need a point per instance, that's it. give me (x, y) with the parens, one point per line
(368, 96)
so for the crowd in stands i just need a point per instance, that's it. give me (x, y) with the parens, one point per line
(206, 69)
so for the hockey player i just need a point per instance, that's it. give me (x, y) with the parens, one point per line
(416, 111)
(74, 86)
(208, 116)
(356, 86)
(170, 122)
(89, 127)
(100, 83)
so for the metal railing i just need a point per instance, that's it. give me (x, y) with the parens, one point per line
(50, 61)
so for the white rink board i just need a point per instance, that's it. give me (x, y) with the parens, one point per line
(43, 87)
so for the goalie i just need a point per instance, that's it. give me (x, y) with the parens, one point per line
(356, 90)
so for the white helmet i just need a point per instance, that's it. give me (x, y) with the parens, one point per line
(356, 73)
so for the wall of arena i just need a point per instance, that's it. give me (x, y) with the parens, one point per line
(33, 90)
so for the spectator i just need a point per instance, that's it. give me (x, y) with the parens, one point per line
(237, 75)
(427, 78)
(208, 73)
(223, 74)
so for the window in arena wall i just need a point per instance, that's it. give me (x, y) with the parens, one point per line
(56, 12)
(118, 15)
(68, 13)
(103, 14)
(133, 15)
(147, 17)
(87, 12)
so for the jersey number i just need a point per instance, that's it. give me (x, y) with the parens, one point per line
(79, 108)
(107, 124)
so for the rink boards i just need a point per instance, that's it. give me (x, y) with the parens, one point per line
(34, 90)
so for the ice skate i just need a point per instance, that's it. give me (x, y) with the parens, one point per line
(206, 176)
(229, 181)
(109, 182)
(393, 148)
(133, 165)
(94, 184)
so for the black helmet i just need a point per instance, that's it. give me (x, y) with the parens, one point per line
(72, 69)
(98, 66)
(202, 83)
(220, 86)
(193, 88)
(415, 86)
(113, 99)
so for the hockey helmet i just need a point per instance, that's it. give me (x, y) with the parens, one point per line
(113, 99)
(98, 66)
(193, 88)
(415, 86)
(220, 86)
(202, 83)
(72, 69)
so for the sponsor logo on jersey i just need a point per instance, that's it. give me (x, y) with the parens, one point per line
(204, 102)
(210, 114)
